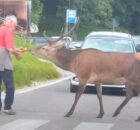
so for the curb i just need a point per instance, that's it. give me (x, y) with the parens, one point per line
(65, 76)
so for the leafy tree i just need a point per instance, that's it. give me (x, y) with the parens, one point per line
(95, 14)
(37, 7)
(127, 12)
(91, 12)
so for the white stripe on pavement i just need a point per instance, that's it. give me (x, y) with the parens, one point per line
(2, 95)
(94, 126)
(23, 124)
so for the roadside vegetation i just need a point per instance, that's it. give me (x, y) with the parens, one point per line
(95, 15)
(30, 68)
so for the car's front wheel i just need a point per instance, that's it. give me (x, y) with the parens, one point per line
(73, 88)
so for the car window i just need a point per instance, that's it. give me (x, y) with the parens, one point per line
(38, 40)
(111, 44)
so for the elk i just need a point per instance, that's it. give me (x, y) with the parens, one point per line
(94, 66)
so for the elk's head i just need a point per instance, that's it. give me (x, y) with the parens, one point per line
(49, 50)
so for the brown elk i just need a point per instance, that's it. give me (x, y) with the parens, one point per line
(94, 66)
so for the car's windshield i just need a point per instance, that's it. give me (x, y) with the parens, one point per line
(109, 44)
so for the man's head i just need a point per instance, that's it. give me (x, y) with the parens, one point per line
(11, 21)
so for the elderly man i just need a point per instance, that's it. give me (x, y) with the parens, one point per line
(6, 69)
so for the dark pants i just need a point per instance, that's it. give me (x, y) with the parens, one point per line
(7, 77)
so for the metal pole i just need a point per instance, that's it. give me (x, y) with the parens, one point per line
(67, 24)
(69, 4)
(113, 25)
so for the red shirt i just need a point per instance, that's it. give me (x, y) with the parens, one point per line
(6, 37)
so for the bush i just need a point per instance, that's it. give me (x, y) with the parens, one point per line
(30, 69)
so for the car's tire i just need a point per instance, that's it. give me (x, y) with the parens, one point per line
(73, 88)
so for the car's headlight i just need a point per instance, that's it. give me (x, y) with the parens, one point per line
(75, 79)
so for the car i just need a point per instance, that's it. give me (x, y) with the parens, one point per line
(67, 39)
(38, 40)
(43, 40)
(137, 42)
(76, 44)
(107, 42)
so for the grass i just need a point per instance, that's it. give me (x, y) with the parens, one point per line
(30, 69)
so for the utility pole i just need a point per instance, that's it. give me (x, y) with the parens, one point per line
(69, 4)
(67, 24)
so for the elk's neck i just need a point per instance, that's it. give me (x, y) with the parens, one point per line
(63, 57)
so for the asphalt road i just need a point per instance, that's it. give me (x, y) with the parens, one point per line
(44, 109)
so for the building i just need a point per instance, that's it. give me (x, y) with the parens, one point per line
(20, 8)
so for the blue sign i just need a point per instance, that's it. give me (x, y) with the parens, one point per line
(71, 20)
(71, 16)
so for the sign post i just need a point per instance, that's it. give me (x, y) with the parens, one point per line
(71, 17)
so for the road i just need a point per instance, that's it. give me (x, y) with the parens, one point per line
(44, 109)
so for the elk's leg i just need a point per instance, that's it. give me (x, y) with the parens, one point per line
(80, 90)
(99, 95)
(138, 119)
(129, 95)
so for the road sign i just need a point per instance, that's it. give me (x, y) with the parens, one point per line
(71, 16)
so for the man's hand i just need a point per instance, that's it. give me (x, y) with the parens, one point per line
(18, 55)
(21, 49)
(17, 52)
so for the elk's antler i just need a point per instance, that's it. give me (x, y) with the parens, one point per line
(50, 40)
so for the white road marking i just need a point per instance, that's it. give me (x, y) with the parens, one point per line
(2, 95)
(23, 124)
(94, 126)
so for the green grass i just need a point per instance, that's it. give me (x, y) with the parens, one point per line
(30, 69)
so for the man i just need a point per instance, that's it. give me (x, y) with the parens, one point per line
(6, 69)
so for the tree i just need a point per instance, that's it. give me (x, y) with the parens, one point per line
(128, 14)
(94, 12)
(37, 7)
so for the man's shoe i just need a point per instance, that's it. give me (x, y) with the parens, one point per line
(9, 112)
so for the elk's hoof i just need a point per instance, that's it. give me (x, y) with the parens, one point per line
(67, 115)
(138, 119)
(100, 115)
(115, 114)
